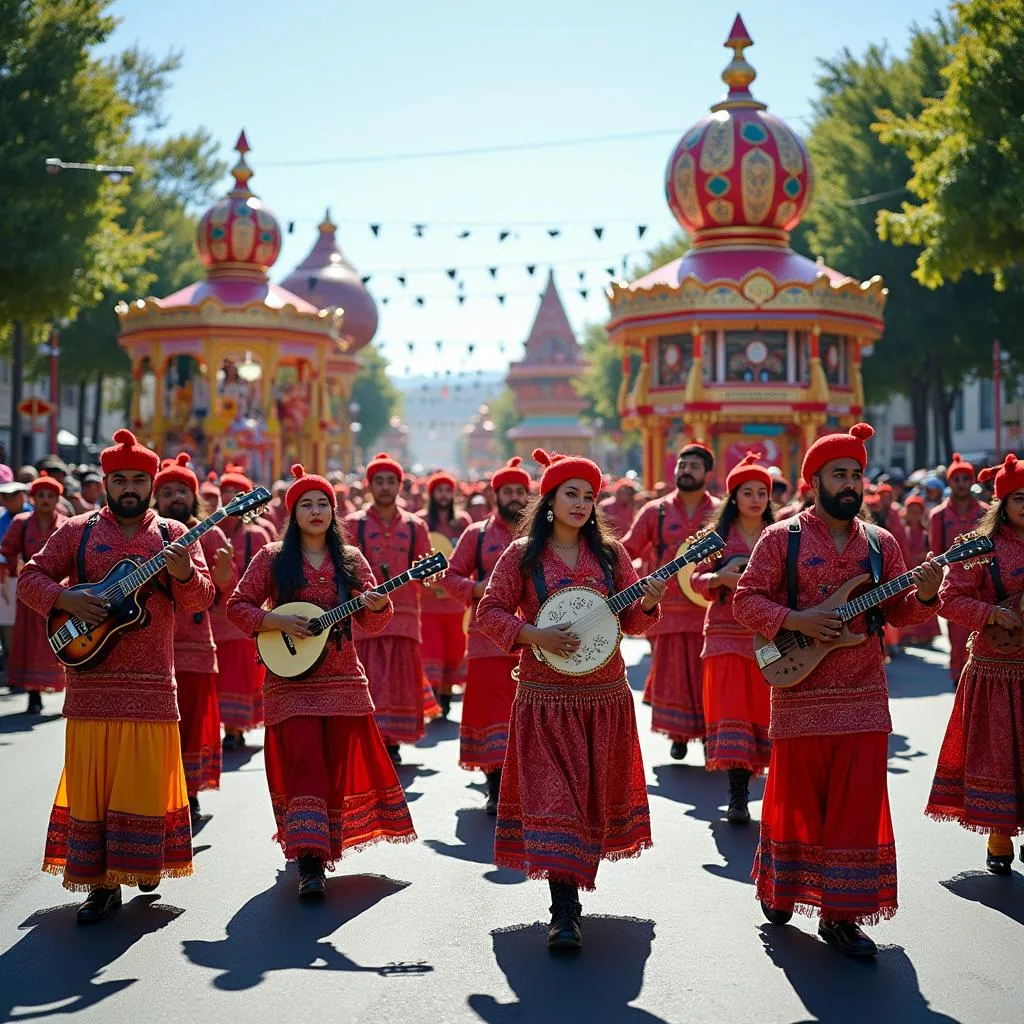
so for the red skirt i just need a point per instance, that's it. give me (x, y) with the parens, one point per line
(958, 637)
(444, 649)
(979, 780)
(397, 686)
(333, 787)
(826, 833)
(199, 727)
(573, 791)
(240, 684)
(677, 686)
(32, 664)
(922, 633)
(486, 710)
(737, 707)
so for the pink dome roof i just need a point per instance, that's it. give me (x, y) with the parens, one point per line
(326, 278)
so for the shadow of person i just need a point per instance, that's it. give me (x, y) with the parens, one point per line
(439, 730)
(474, 831)
(1005, 894)
(58, 961)
(409, 773)
(636, 675)
(736, 845)
(236, 760)
(919, 674)
(900, 750)
(17, 721)
(273, 932)
(838, 988)
(598, 984)
(704, 791)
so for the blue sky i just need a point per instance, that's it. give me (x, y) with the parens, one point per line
(316, 81)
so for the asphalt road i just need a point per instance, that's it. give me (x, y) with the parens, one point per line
(432, 932)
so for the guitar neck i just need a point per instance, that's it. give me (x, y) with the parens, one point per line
(875, 596)
(350, 607)
(626, 597)
(145, 572)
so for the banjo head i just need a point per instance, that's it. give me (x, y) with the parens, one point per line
(439, 542)
(599, 637)
(684, 574)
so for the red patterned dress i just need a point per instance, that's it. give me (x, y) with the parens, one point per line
(979, 780)
(573, 791)
(332, 785)
(916, 548)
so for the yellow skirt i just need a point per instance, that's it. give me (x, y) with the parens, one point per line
(121, 814)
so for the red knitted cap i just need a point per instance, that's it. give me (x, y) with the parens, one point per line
(803, 488)
(383, 463)
(176, 471)
(559, 468)
(746, 470)
(511, 473)
(914, 499)
(1009, 477)
(128, 455)
(959, 465)
(838, 446)
(440, 478)
(234, 477)
(305, 482)
(45, 482)
(210, 485)
(697, 447)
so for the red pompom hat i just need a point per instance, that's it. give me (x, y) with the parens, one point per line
(959, 465)
(838, 446)
(383, 463)
(915, 499)
(1009, 477)
(559, 468)
(803, 488)
(746, 470)
(127, 455)
(305, 482)
(45, 482)
(210, 485)
(511, 473)
(176, 471)
(234, 477)
(438, 479)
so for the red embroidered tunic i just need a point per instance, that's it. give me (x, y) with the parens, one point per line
(25, 536)
(847, 692)
(387, 551)
(194, 649)
(447, 605)
(463, 575)
(916, 545)
(946, 522)
(338, 685)
(722, 633)
(679, 613)
(618, 515)
(135, 682)
(894, 524)
(511, 602)
(245, 539)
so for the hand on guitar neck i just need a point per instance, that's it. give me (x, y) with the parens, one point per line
(298, 625)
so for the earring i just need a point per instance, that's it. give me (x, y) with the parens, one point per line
(551, 516)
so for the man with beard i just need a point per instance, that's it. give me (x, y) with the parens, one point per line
(441, 615)
(392, 539)
(826, 839)
(176, 489)
(959, 513)
(675, 681)
(121, 813)
(490, 688)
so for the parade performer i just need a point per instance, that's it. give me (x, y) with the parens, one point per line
(573, 791)
(176, 489)
(979, 780)
(888, 514)
(916, 548)
(121, 814)
(240, 673)
(391, 539)
(826, 833)
(620, 508)
(957, 514)
(804, 499)
(490, 688)
(332, 785)
(441, 614)
(32, 665)
(737, 705)
(676, 679)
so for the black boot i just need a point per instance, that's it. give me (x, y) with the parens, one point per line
(445, 700)
(678, 750)
(98, 904)
(312, 883)
(564, 932)
(739, 794)
(848, 938)
(35, 703)
(493, 789)
(394, 752)
(776, 916)
(195, 812)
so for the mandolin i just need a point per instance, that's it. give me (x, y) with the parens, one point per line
(1006, 641)
(791, 657)
(291, 657)
(81, 646)
(594, 618)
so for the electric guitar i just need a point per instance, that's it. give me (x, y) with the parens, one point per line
(290, 656)
(81, 646)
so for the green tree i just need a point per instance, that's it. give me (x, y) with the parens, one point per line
(377, 396)
(967, 147)
(660, 254)
(504, 415)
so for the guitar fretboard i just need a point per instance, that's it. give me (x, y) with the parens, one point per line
(343, 611)
(859, 605)
(626, 597)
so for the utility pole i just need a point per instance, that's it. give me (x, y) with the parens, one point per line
(17, 368)
(997, 397)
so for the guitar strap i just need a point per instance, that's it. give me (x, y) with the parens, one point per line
(481, 573)
(82, 543)
(875, 617)
(538, 582)
(344, 628)
(792, 558)
(361, 533)
(997, 580)
(661, 531)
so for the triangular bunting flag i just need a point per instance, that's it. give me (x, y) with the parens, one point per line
(451, 272)
(599, 232)
(641, 230)
(493, 271)
(502, 235)
(531, 268)
(375, 228)
(583, 293)
(554, 232)
(501, 299)
(464, 234)
(365, 278)
(419, 229)
(420, 301)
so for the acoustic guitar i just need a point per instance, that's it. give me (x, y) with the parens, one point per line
(1006, 641)
(791, 657)
(81, 646)
(292, 657)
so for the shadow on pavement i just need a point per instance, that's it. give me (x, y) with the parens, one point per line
(637, 674)
(474, 831)
(834, 987)
(16, 720)
(58, 961)
(595, 985)
(736, 845)
(440, 730)
(911, 675)
(1005, 894)
(706, 792)
(900, 750)
(274, 932)
(235, 760)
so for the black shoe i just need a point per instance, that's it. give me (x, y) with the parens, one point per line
(848, 938)
(149, 886)
(445, 700)
(193, 806)
(493, 789)
(773, 916)
(739, 793)
(312, 884)
(678, 750)
(35, 703)
(230, 741)
(394, 752)
(1001, 864)
(565, 931)
(98, 904)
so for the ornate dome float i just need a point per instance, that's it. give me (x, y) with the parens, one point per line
(234, 368)
(741, 339)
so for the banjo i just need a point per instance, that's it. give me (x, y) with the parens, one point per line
(594, 618)
(684, 574)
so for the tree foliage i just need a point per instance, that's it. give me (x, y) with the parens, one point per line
(504, 415)
(377, 396)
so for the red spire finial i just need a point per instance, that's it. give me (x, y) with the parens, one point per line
(739, 34)
(327, 226)
(241, 171)
(242, 145)
(738, 73)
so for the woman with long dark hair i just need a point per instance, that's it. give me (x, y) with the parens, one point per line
(979, 779)
(737, 705)
(332, 784)
(573, 791)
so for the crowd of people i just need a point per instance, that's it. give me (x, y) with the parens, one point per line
(147, 722)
